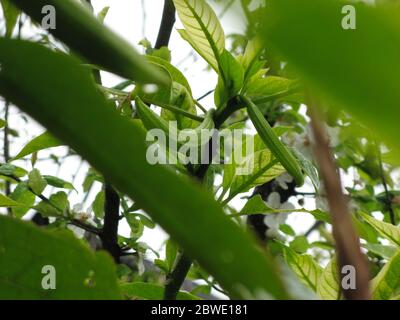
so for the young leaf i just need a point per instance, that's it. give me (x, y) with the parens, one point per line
(98, 205)
(269, 86)
(176, 74)
(57, 182)
(102, 14)
(79, 29)
(43, 141)
(22, 244)
(386, 252)
(230, 80)
(11, 170)
(328, 283)
(387, 281)
(256, 205)
(385, 229)
(251, 61)
(36, 182)
(7, 202)
(305, 267)
(30, 78)
(260, 167)
(202, 28)
(182, 99)
(22, 194)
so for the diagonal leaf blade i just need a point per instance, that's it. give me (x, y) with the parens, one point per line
(82, 32)
(202, 29)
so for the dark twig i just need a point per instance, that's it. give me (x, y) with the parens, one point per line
(205, 95)
(167, 23)
(84, 226)
(385, 186)
(109, 233)
(176, 278)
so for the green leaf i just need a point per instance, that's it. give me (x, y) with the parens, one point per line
(22, 194)
(386, 252)
(305, 267)
(83, 32)
(26, 249)
(386, 230)
(7, 202)
(300, 244)
(387, 281)
(251, 61)
(30, 78)
(103, 13)
(176, 74)
(36, 182)
(268, 87)
(149, 291)
(355, 69)
(260, 168)
(308, 168)
(287, 229)
(10, 13)
(56, 206)
(202, 29)
(171, 252)
(181, 98)
(230, 80)
(98, 205)
(328, 283)
(11, 170)
(43, 141)
(256, 205)
(57, 182)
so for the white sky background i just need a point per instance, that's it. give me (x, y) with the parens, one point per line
(125, 17)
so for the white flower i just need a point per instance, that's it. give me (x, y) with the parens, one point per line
(283, 180)
(274, 220)
(82, 216)
(333, 134)
(301, 142)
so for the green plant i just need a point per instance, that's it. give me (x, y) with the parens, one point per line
(285, 93)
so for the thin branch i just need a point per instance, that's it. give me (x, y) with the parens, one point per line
(346, 240)
(84, 226)
(205, 95)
